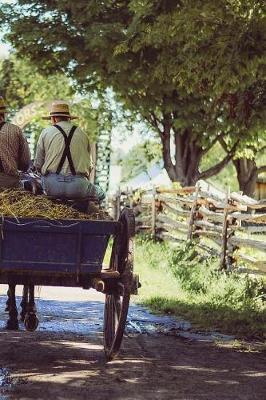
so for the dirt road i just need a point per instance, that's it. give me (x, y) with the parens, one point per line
(62, 362)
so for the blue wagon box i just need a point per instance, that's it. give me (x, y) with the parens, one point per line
(70, 253)
(54, 246)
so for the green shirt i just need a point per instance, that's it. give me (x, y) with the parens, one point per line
(51, 145)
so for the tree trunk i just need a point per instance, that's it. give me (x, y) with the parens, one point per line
(185, 168)
(187, 157)
(247, 173)
(166, 145)
(182, 164)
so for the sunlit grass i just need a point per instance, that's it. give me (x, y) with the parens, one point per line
(152, 264)
(178, 282)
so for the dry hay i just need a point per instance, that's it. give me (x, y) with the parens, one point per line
(21, 204)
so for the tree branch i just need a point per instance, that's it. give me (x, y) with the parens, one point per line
(153, 120)
(262, 149)
(218, 138)
(165, 138)
(219, 166)
(261, 169)
(178, 154)
(223, 144)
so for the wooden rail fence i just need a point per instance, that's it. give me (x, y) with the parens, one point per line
(227, 225)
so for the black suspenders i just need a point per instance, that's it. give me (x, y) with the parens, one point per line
(66, 152)
(1, 165)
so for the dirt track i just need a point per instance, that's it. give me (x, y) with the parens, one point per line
(64, 365)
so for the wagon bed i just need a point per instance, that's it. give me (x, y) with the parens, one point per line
(71, 253)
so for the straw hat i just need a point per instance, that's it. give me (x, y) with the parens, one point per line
(60, 109)
(2, 105)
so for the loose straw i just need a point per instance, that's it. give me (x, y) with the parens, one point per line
(21, 204)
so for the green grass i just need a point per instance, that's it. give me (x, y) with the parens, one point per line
(180, 282)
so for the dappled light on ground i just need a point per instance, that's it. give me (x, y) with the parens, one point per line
(66, 360)
(73, 367)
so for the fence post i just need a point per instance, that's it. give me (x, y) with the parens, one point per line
(153, 213)
(223, 265)
(192, 214)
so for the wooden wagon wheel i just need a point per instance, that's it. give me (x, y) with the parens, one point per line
(117, 301)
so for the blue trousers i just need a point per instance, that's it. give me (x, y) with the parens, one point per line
(70, 187)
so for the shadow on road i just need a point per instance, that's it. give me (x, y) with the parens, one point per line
(65, 360)
(46, 365)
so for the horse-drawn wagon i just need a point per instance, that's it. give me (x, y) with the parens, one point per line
(70, 253)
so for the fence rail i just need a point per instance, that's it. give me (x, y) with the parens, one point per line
(228, 225)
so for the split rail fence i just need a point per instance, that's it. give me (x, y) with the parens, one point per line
(227, 225)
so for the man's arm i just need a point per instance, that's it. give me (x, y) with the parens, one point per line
(24, 153)
(40, 154)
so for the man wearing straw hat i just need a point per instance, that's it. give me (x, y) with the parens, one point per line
(14, 151)
(63, 157)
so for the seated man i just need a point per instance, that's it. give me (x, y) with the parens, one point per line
(14, 151)
(63, 158)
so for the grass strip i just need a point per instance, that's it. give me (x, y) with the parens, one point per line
(180, 282)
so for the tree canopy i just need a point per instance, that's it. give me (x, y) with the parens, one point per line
(194, 70)
(22, 84)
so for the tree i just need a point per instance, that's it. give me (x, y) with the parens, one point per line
(28, 94)
(250, 159)
(21, 84)
(249, 163)
(225, 178)
(178, 64)
(140, 158)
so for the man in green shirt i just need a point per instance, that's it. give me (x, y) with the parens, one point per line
(63, 157)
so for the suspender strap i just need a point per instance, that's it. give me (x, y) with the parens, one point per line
(66, 152)
(1, 165)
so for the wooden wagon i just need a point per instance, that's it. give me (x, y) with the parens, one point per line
(71, 253)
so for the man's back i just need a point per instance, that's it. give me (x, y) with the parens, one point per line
(51, 146)
(14, 150)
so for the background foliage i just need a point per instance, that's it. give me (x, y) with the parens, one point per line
(194, 71)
